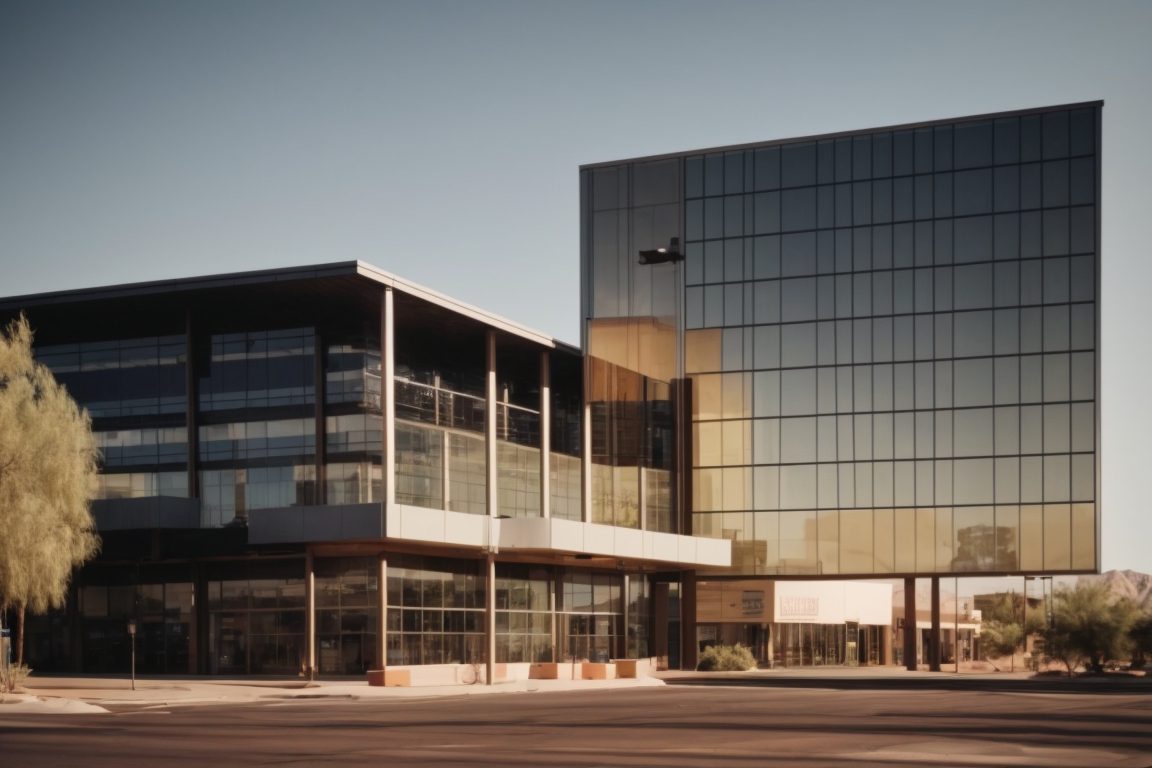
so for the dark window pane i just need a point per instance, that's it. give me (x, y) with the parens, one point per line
(1083, 278)
(825, 162)
(861, 157)
(1006, 188)
(1083, 131)
(767, 168)
(1056, 232)
(1029, 138)
(843, 159)
(902, 199)
(733, 172)
(923, 150)
(973, 239)
(943, 148)
(881, 155)
(1055, 183)
(972, 334)
(942, 186)
(1031, 186)
(923, 197)
(974, 191)
(798, 165)
(1083, 181)
(799, 209)
(798, 299)
(973, 285)
(1006, 236)
(1055, 135)
(861, 203)
(1030, 229)
(903, 154)
(1006, 282)
(1007, 149)
(733, 216)
(1083, 230)
(798, 254)
(1056, 287)
(694, 176)
(714, 175)
(973, 145)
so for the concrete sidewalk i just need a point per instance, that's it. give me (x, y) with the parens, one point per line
(72, 695)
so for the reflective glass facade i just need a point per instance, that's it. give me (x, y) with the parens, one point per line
(891, 339)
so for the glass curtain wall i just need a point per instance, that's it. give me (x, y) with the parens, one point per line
(435, 611)
(441, 410)
(517, 429)
(564, 459)
(258, 435)
(591, 615)
(523, 613)
(135, 391)
(892, 343)
(632, 314)
(346, 614)
(353, 421)
(256, 624)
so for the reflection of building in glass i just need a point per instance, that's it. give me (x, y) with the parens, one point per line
(330, 468)
(798, 623)
(885, 340)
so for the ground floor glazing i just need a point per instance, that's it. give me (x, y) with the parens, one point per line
(251, 616)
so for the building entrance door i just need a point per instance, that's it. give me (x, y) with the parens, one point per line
(851, 644)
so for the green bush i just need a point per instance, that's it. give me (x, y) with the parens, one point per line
(726, 658)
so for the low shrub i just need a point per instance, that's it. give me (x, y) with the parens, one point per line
(12, 677)
(726, 658)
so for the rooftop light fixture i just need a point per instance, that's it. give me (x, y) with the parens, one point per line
(663, 255)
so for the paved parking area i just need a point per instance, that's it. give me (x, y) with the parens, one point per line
(674, 725)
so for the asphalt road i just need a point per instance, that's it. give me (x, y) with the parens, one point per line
(671, 726)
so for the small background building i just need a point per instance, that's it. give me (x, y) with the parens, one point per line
(798, 623)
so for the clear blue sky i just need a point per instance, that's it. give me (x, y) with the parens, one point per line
(441, 140)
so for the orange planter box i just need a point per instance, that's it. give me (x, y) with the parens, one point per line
(391, 678)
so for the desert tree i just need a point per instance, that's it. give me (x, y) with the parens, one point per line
(1089, 626)
(48, 462)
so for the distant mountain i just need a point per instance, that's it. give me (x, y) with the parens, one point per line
(1137, 587)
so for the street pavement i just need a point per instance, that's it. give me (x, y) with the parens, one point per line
(810, 718)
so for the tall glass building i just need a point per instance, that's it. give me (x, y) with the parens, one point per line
(885, 342)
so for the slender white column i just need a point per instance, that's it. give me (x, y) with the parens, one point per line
(310, 614)
(388, 401)
(586, 462)
(490, 425)
(545, 435)
(382, 609)
(490, 619)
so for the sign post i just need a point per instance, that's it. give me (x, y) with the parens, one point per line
(132, 637)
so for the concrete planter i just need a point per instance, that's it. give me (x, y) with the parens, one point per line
(550, 670)
(390, 678)
(598, 670)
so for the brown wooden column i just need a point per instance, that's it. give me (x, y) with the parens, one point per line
(910, 624)
(689, 654)
(934, 642)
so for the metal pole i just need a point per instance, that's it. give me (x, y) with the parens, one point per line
(956, 622)
(132, 642)
(1024, 619)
